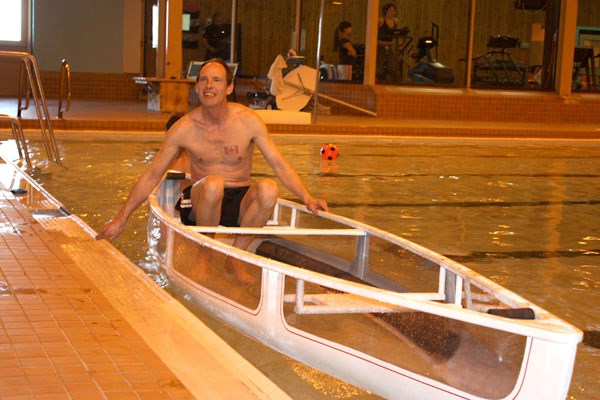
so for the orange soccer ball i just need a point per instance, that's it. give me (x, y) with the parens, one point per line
(329, 152)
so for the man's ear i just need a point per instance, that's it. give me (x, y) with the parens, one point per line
(230, 89)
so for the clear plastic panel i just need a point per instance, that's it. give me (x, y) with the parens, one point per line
(409, 270)
(474, 359)
(226, 276)
(157, 236)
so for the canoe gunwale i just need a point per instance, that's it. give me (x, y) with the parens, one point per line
(546, 326)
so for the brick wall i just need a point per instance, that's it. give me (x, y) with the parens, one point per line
(486, 105)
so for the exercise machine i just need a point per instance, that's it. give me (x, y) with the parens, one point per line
(427, 69)
(497, 67)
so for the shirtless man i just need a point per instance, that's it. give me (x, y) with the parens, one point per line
(219, 138)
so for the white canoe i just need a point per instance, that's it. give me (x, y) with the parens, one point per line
(368, 307)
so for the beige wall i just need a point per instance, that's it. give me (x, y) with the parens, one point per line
(133, 28)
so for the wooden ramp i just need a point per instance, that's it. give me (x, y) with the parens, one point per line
(78, 320)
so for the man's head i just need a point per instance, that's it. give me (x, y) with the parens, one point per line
(214, 82)
(229, 74)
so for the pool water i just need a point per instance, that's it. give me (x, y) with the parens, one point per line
(525, 213)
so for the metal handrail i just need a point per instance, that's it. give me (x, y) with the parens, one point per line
(65, 76)
(17, 132)
(22, 83)
(35, 84)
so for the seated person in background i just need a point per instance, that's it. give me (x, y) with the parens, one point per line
(346, 52)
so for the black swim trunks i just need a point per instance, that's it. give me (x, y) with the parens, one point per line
(230, 206)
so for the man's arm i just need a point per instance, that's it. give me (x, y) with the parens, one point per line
(140, 191)
(284, 171)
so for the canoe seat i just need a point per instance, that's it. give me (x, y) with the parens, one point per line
(345, 303)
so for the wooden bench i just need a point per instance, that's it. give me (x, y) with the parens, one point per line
(166, 95)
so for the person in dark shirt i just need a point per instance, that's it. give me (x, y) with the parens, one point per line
(216, 38)
(385, 43)
(346, 52)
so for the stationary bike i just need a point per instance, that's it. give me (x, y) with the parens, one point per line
(429, 71)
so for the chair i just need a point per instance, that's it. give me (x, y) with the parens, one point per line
(584, 58)
(328, 72)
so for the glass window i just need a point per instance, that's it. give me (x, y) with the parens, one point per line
(342, 38)
(511, 48)
(10, 21)
(155, 22)
(264, 33)
(514, 42)
(423, 42)
(587, 47)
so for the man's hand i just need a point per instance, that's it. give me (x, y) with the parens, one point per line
(314, 205)
(111, 230)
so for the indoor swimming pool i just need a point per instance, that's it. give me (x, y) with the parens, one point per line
(525, 213)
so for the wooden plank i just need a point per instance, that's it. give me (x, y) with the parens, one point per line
(166, 95)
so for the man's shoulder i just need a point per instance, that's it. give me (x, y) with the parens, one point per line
(186, 123)
(241, 111)
(237, 106)
(190, 119)
(248, 118)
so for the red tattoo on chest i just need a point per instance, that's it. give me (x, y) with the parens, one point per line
(229, 150)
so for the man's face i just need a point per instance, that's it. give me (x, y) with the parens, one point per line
(212, 87)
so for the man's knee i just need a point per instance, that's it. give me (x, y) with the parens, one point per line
(210, 189)
(267, 192)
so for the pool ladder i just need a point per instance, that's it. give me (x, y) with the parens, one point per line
(17, 132)
(65, 78)
(34, 87)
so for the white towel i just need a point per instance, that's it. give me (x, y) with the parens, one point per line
(276, 75)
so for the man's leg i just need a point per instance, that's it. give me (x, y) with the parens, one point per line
(206, 197)
(255, 210)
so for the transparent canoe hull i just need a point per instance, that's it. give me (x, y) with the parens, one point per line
(366, 306)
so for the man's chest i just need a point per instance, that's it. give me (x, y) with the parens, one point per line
(221, 150)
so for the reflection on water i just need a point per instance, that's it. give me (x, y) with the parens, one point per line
(523, 213)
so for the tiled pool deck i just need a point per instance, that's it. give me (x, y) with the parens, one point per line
(79, 321)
